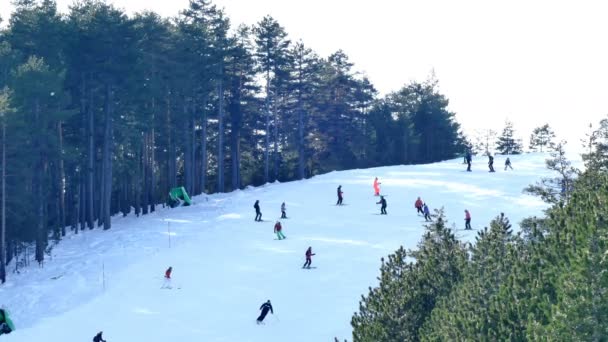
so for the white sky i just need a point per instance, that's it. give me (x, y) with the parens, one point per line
(530, 61)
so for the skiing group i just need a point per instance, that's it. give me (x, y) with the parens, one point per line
(468, 158)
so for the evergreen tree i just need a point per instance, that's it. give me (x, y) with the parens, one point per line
(542, 137)
(556, 189)
(507, 143)
(597, 157)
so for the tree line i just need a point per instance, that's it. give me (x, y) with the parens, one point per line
(546, 282)
(103, 113)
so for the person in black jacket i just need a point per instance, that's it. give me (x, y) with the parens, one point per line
(383, 208)
(265, 308)
(98, 337)
(339, 195)
(491, 162)
(468, 158)
(258, 213)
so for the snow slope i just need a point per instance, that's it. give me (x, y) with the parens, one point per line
(226, 265)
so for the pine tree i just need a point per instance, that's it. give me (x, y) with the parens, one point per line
(556, 189)
(542, 137)
(507, 143)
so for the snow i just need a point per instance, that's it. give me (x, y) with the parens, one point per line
(225, 265)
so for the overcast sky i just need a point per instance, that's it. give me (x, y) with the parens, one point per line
(532, 62)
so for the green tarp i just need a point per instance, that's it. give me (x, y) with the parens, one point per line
(5, 319)
(177, 195)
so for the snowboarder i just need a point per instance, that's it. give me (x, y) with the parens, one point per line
(427, 213)
(508, 164)
(167, 283)
(98, 337)
(491, 162)
(467, 220)
(468, 158)
(340, 195)
(309, 255)
(277, 230)
(6, 325)
(418, 206)
(376, 187)
(283, 211)
(265, 308)
(258, 213)
(383, 208)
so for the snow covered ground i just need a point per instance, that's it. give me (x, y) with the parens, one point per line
(225, 265)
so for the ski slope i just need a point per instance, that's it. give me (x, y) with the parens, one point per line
(225, 265)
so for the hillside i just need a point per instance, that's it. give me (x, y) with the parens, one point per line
(226, 265)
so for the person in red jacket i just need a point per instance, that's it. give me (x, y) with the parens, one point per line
(418, 205)
(167, 283)
(467, 220)
(277, 230)
(376, 187)
(309, 255)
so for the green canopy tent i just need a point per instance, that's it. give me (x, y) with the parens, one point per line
(6, 325)
(177, 195)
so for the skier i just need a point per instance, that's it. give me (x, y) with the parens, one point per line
(468, 158)
(258, 213)
(6, 325)
(418, 206)
(340, 195)
(283, 211)
(508, 164)
(376, 187)
(98, 337)
(427, 213)
(491, 162)
(309, 255)
(277, 230)
(167, 283)
(467, 220)
(383, 208)
(265, 308)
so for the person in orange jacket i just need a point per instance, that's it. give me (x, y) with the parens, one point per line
(418, 205)
(376, 187)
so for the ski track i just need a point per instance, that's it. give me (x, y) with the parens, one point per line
(226, 265)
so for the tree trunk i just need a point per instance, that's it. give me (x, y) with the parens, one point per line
(220, 152)
(62, 187)
(204, 148)
(171, 153)
(152, 161)
(235, 153)
(91, 163)
(188, 177)
(301, 151)
(267, 137)
(3, 232)
(41, 235)
(107, 158)
(276, 141)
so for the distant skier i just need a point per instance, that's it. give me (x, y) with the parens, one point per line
(258, 213)
(383, 207)
(98, 337)
(309, 255)
(376, 187)
(467, 220)
(491, 162)
(468, 158)
(167, 283)
(418, 205)
(340, 193)
(277, 230)
(508, 164)
(283, 211)
(6, 325)
(265, 308)
(427, 213)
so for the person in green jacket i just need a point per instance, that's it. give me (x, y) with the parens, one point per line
(6, 325)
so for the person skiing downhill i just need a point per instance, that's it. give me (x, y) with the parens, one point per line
(309, 255)
(98, 337)
(283, 211)
(491, 162)
(6, 325)
(376, 187)
(340, 195)
(258, 213)
(508, 164)
(277, 230)
(427, 213)
(167, 283)
(467, 220)
(383, 207)
(418, 205)
(265, 308)
(468, 159)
